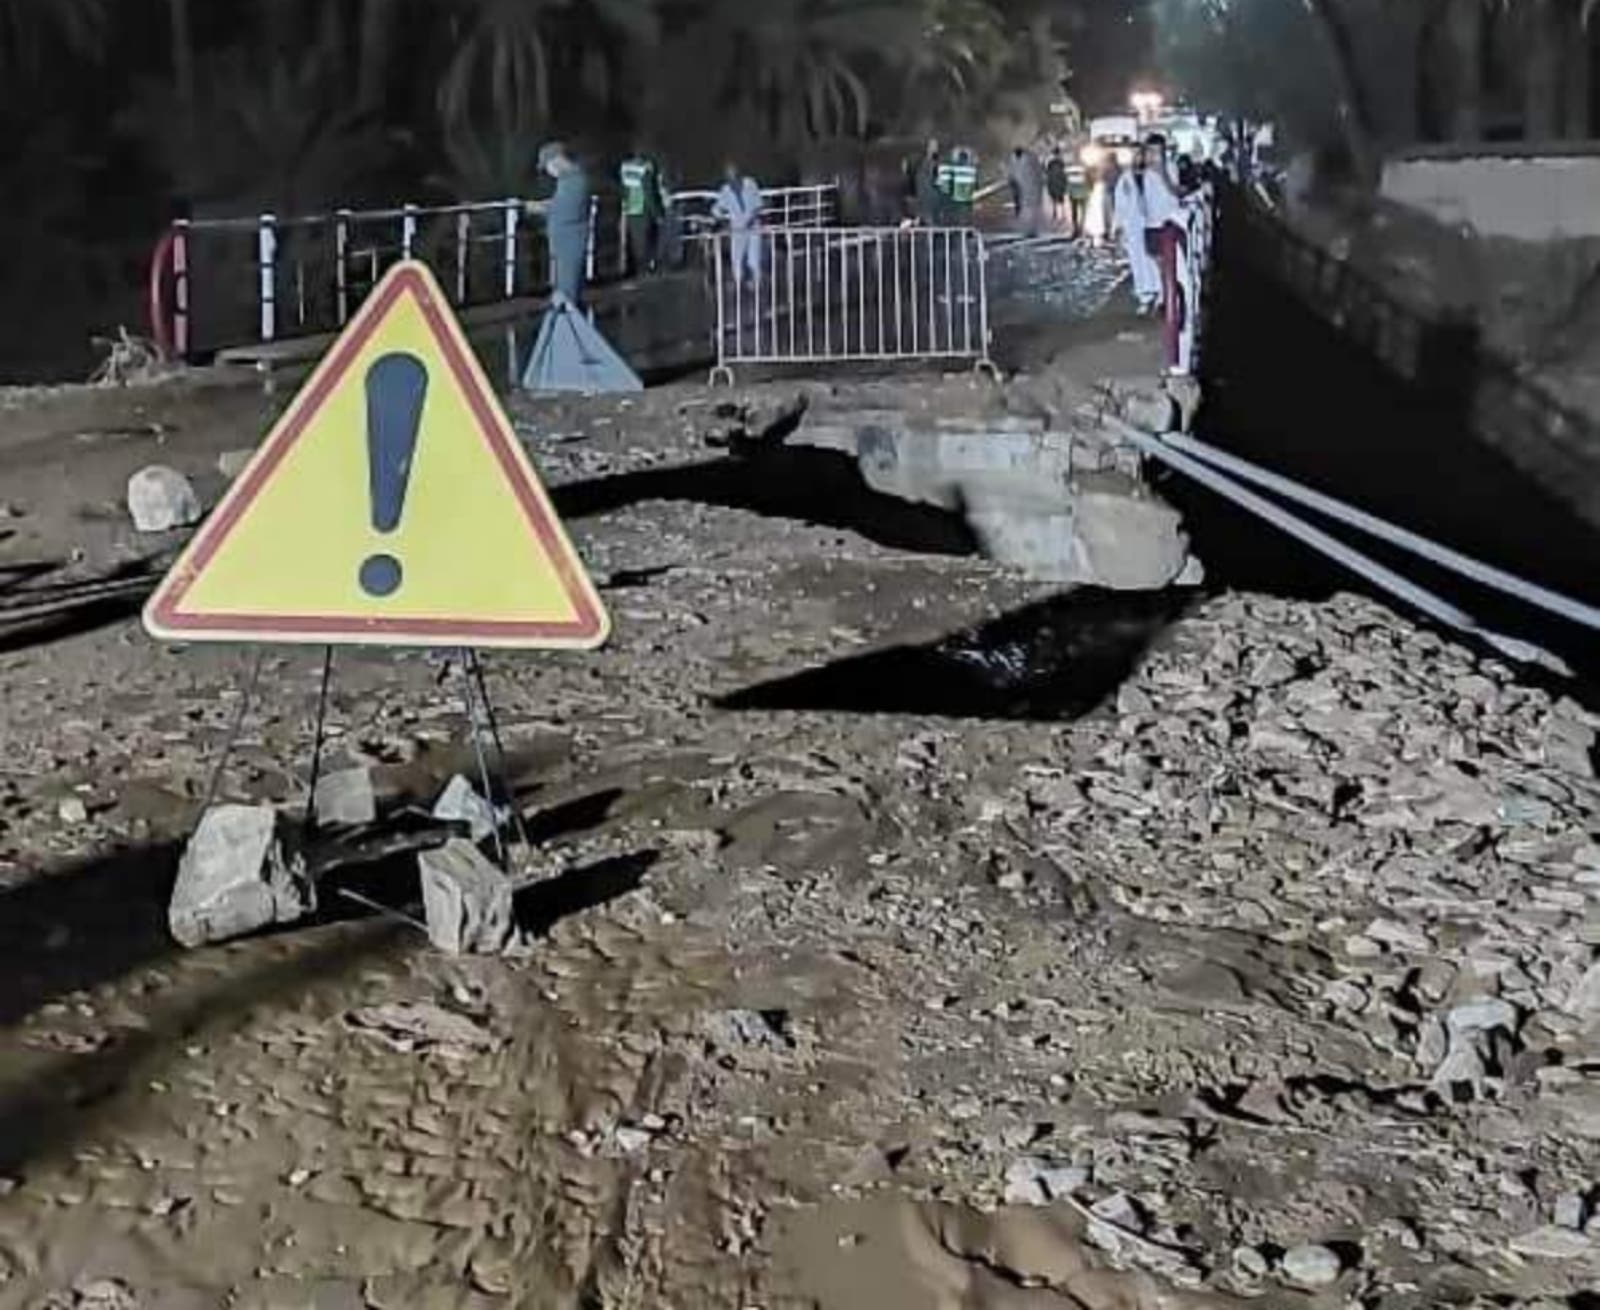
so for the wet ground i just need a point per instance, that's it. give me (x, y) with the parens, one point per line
(906, 934)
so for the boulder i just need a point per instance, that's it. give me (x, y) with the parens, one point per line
(161, 499)
(235, 878)
(231, 462)
(467, 901)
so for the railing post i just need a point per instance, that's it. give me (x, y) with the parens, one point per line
(463, 253)
(266, 262)
(408, 231)
(341, 264)
(594, 227)
(180, 288)
(513, 213)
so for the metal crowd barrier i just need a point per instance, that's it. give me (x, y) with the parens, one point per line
(225, 282)
(835, 295)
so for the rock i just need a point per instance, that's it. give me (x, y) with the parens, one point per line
(231, 462)
(1584, 1000)
(414, 1027)
(236, 878)
(632, 1140)
(1032, 1181)
(345, 798)
(461, 803)
(1551, 1243)
(1481, 1016)
(1147, 407)
(1571, 1211)
(72, 810)
(731, 1029)
(161, 499)
(1311, 1266)
(467, 901)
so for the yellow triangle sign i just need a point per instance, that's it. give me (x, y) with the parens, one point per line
(391, 505)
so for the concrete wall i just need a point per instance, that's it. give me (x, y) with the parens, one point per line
(1520, 194)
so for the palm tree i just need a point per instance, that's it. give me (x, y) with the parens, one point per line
(501, 53)
(30, 28)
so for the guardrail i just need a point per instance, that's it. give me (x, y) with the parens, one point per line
(215, 283)
(835, 295)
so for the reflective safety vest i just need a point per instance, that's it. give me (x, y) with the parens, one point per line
(635, 178)
(945, 178)
(963, 183)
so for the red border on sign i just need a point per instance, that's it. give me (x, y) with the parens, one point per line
(588, 625)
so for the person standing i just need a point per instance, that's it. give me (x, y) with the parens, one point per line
(1027, 179)
(1055, 182)
(641, 210)
(738, 204)
(1166, 238)
(1080, 189)
(1128, 219)
(566, 220)
(1097, 213)
(963, 176)
(931, 182)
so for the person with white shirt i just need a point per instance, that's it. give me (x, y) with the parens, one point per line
(739, 204)
(1166, 239)
(1128, 219)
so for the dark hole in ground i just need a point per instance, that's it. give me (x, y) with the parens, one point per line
(812, 486)
(1057, 659)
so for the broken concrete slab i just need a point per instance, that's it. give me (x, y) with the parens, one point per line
(345, 798)
(466, 900)
(236, 878)
(161, 499)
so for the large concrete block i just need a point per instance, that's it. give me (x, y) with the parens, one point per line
(235, 878)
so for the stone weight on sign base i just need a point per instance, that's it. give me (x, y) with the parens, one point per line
(235, 878)
(467, 900)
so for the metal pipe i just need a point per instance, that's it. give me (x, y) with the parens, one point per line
(1429, 603)
(1510, 584)
(341, 265)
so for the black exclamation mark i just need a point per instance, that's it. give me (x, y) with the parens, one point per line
(397, 384)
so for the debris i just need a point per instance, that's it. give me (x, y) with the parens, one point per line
(72, 810)
(1032, 1181)
(235, 878)
(231, 463)
(467, 900)
(413, 1027)
(345, 798)
(1311, 1266)
(1571, 1211)
(1552, 1243)
(161, 499)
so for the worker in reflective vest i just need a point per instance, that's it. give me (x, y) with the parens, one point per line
(641, 210)
(963, 179)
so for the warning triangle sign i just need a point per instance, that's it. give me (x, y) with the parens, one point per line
(391, 505)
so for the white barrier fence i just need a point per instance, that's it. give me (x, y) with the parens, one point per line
(818, 295)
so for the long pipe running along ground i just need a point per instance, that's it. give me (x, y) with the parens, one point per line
(1364, 566)
(1564, 606)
